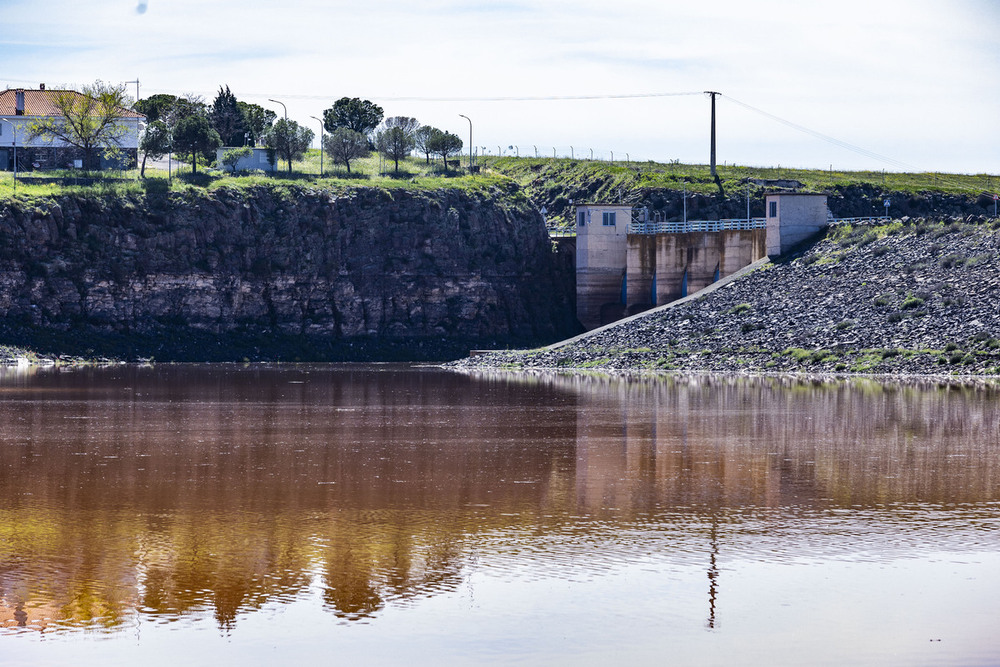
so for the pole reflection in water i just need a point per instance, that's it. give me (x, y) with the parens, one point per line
(481, 516)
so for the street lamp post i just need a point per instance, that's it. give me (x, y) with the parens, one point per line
(282, 106)
(285, 131)
(320, 145)
(14, 142)
(470, 139)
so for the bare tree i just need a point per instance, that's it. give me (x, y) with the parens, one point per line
(90, 119)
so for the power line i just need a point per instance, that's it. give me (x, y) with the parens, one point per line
(843, 144)
(541, 98)
(417, 98)
(824, 137)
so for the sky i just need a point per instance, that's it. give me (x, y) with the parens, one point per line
(894, 85)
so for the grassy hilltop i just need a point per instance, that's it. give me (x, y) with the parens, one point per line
(558, 183)
(552, 182)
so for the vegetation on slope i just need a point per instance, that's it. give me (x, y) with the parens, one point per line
(557, 184)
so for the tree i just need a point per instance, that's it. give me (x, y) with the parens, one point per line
(227, 118)
(395, 140)
(189, 105)
(156, 107)
(193, 134)
(445, 144)
(89, 120)
(289, 140)
(155, 143)
(232, 156)
(258, 120)
(344, 145)
(359, 115)
(422, 138)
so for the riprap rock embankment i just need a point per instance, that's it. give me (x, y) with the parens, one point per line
(910, 297)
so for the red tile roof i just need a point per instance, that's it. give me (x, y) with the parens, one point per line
(39, 103)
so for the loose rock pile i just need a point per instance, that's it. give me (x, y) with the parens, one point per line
(910, 297)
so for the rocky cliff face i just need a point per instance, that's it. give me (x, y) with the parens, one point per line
(279, 272)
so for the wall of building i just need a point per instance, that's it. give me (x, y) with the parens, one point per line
(256, 160)
(792, 218)
(674, 265)
(601, 259)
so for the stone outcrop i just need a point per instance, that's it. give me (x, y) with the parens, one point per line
(281, 273)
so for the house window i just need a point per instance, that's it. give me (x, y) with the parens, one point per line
(772, 209)
(609, 219)
(581, 218)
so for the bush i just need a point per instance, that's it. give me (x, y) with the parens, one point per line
(739, 308)
(952, 260)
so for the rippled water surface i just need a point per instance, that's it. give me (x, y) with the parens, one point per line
(388, 514)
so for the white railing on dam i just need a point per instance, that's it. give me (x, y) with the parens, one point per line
(682, 227)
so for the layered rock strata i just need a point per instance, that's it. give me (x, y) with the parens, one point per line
(282, 272)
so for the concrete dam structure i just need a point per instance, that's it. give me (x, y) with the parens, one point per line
(625, 265)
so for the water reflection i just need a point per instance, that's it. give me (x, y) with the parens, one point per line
(176, 491)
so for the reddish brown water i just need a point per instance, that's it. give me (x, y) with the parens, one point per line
(386, 514)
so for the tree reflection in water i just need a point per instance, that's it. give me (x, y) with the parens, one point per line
(183, 491)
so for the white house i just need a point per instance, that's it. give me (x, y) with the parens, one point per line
(258, 159)
(20, 108)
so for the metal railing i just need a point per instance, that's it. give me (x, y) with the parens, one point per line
(681, 227)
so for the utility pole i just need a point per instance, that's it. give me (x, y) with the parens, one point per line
(713, 94)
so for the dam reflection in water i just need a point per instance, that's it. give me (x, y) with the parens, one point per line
(486, 517)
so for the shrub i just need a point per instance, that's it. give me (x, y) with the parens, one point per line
(911, 302)
(951, 260)
(739, 308)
